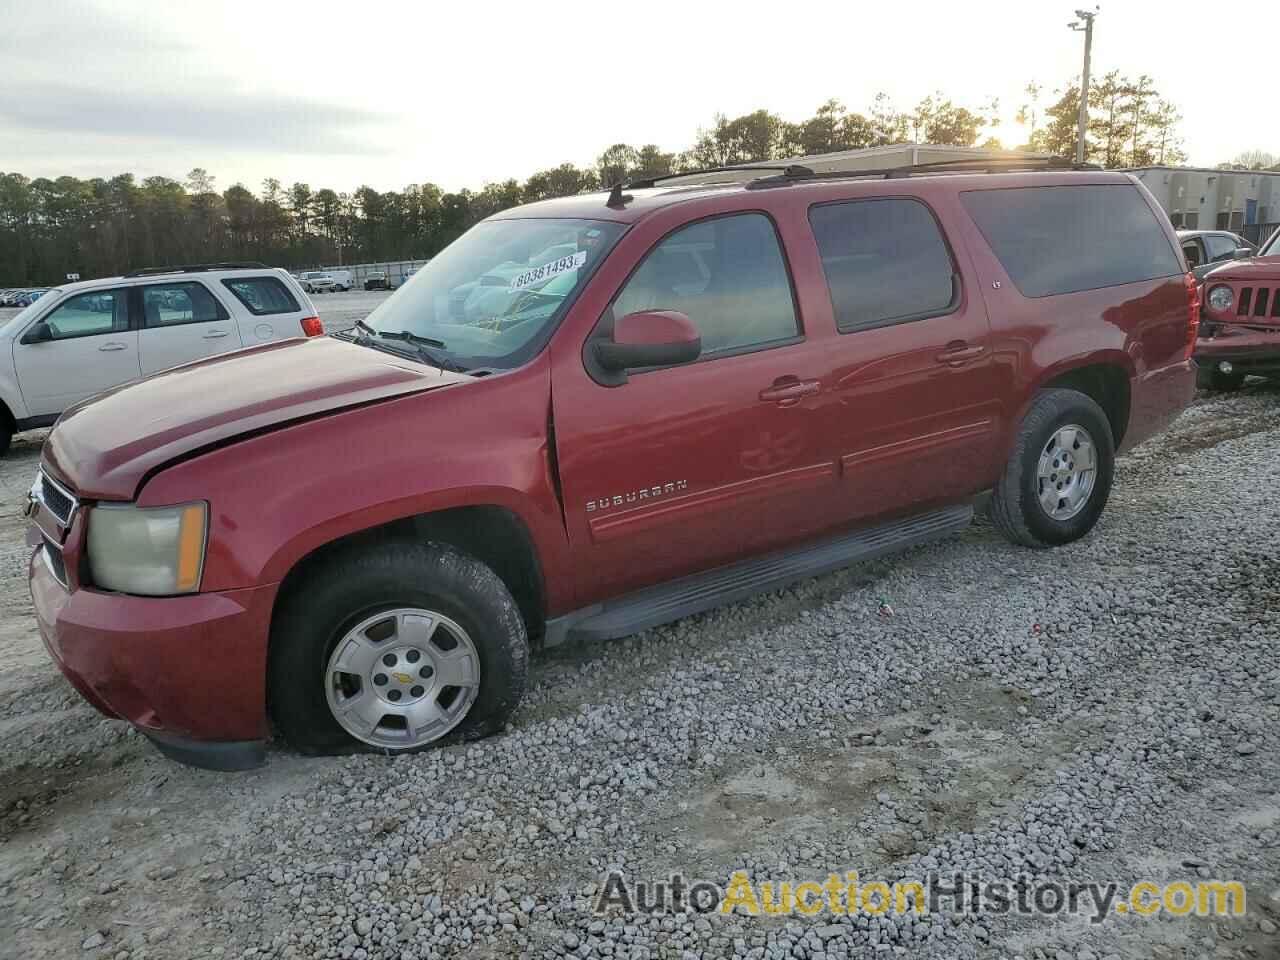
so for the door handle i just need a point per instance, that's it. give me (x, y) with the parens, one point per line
(958, 352)
(215, 334)
(788, 391)
(108, 347)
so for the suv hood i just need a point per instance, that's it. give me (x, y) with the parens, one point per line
(1255, 268)
(105, 447)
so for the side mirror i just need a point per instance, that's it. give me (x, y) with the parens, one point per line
(649, 338)
(40, 333)
(1243, 253)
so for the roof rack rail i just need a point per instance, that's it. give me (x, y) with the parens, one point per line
(965, 165)
(793, 169)
(198, 268)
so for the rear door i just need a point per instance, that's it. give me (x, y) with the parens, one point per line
(181, 321)
(270, 307)
(93, 348)
(917, 394)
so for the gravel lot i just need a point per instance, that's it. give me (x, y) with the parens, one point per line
(1102, 711)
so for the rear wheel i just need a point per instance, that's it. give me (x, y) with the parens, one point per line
(1211, 378)
(6, 437)
(397, 648)
(1058, 478)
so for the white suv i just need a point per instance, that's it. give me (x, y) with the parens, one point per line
(83, 338)
(315, 281)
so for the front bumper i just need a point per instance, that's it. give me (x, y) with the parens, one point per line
(1248, 350)
(189, 672)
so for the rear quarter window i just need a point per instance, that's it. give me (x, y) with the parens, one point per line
(1055, 240)
(262, 295)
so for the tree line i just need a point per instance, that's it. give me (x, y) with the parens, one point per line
(100, 227)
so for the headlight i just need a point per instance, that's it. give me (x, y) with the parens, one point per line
(156, 551)
(1220, 298)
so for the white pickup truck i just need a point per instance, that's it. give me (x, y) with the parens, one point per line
(80, 339)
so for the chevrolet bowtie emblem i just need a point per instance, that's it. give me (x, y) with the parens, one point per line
(402, 677)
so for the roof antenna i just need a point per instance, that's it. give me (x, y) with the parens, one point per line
(617, 199)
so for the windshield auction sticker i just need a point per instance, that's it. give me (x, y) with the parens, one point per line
(548, 270)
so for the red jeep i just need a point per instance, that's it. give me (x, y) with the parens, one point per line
(589, 416)
(1241, 330)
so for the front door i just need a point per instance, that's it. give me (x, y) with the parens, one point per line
(92, 349)
(688, 467)
(918, 402)
(181, 322)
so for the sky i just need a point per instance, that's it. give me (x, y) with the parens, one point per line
(388, 93)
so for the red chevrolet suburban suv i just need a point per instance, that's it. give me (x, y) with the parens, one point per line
(589, 416)
(1241, 330)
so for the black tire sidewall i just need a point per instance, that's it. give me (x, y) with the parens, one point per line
(1044, 528)
(344, 593)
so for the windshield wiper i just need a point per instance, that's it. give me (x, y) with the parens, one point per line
(368, 330)
(410, 337)
(423, 345)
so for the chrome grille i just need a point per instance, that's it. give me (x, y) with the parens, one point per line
(55, 498)
(57, 564)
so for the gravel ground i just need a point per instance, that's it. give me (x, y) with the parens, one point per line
(1107, 710)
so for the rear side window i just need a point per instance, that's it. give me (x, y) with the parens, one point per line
(169, 304)
(1055, 240)
(262, 295)
(885, 261)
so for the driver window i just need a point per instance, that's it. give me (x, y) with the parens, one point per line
(726, 275)
(90, 314)
(1220, 247)
(1191, 250)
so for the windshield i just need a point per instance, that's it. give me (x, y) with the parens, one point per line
(19, 319)
(495, 294)
(1272, 248)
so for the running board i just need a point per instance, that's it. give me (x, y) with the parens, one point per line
(705, 591)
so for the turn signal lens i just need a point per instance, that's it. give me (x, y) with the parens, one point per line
(190, 547)
(312, 327)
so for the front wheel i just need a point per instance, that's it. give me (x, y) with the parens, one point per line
(1059, 475)
(397, 647)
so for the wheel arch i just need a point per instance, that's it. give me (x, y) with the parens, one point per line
(495, 535)
(1107, 379)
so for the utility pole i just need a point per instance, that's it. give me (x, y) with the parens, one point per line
(1083, 123)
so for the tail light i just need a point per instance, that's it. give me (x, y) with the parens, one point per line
(312, 327)
(1193, 312)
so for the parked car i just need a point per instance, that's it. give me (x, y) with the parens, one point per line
(315, 281)
(1207, 250)
(377, 281)
(28, 297)
(341, 280)
(1241, 330)
(708, 392)
(83, 338)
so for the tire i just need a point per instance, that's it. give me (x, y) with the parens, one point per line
(340, 597)
(1210, 378)
(1017, 508)
(6, 437)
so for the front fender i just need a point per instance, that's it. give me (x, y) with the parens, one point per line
(277, 497)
